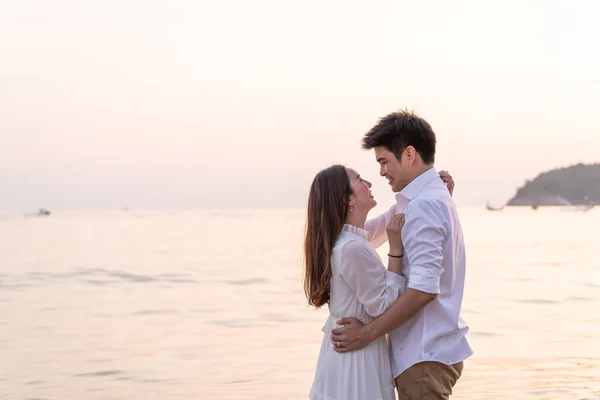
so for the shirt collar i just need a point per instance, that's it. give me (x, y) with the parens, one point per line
(355, 230)
(414, 188)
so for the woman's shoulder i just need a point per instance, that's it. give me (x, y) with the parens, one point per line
(348, 243)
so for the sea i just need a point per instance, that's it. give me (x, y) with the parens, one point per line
(202, 304)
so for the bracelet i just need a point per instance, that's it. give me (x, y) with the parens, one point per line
(400, 256)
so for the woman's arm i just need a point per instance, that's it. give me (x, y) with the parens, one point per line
(395, 264)
(375, 227)
(362, 270)
(394, 233)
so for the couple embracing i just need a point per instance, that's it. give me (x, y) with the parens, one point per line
(416, 299)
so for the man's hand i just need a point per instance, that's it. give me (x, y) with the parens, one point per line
(351, 337)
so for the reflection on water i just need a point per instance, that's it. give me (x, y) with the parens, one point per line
(190, 304)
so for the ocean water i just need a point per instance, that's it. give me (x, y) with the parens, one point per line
(209, 305)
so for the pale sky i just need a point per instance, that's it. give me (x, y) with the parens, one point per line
(221, 104)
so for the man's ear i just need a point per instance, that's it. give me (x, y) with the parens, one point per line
(411, 154)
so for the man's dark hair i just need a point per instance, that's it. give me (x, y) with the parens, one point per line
(400, 129)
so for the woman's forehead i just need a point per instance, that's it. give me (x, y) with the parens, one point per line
(351, 173)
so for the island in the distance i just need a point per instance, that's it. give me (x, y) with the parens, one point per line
(575, 185)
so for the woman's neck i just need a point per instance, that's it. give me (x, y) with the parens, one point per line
(356, 219)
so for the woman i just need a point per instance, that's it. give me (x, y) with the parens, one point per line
(344, 272)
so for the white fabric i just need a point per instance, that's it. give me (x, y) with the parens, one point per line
(360, 287)
(434, 262)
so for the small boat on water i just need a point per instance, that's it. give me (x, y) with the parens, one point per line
(42, 212)
(491, 208)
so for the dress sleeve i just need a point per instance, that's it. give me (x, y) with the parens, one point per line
(375, 287)
(375, 227)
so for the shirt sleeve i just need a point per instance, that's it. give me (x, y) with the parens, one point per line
(375, 287)
(375, 227)
(423, 234)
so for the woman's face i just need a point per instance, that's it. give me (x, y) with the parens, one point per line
(361, 199)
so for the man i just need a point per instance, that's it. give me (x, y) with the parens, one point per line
(427, 334)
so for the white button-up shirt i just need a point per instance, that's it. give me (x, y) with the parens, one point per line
(434, 262)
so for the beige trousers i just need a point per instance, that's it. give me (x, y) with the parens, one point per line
(428, 380)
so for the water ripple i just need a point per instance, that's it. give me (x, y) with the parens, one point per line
(181, 281)
(132, 277)
(155, 312)
(234, 324)
(92, 276)
(251, 281)
(485, 334)
(98, 282)
(579, 298)
(277, 318)
(537, 301)
(110, 372)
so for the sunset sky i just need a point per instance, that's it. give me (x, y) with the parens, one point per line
(237, 104)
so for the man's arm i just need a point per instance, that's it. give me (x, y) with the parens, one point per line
(424, 249)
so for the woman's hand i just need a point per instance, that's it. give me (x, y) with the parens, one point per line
(447, 178)
(394, 233)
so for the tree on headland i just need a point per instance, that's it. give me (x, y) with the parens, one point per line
(578, 185)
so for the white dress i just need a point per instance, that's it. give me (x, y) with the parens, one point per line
(360, 287)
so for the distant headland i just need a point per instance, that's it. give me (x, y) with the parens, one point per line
(575, 185)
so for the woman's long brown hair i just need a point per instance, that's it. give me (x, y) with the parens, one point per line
(327, 210)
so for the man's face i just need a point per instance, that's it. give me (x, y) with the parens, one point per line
(392, 169)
